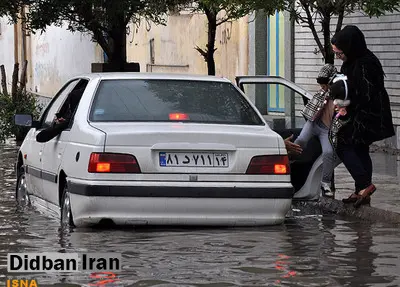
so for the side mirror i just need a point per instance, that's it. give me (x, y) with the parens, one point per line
(25, 120)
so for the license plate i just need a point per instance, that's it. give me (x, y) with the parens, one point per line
(194, 159)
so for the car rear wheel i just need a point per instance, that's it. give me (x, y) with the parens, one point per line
(66, 214)
(21, 194)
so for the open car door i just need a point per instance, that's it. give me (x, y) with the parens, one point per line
(306, 169)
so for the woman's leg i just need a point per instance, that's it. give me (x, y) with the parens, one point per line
(357, 167)
(354, 165)
(362, 151)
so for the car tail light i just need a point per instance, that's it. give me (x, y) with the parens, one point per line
(113, 163)
(269, 164)
(178, 117)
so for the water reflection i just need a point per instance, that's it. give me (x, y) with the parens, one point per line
(362, 258)
(315, 250)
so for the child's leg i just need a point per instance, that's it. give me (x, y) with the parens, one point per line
(306, 134)
(330, 159)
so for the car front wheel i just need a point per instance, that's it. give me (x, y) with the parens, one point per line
(66, 214)
(21, 194)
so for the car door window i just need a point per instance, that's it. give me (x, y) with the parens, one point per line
(272, 97)
(49, 115)
(71, 103)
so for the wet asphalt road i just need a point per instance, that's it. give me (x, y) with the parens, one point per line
(308, 250)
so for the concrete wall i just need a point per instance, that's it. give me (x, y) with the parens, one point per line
(53, 57)
(7, 47)
(258, 54)
(263, 55)
(174, 46)
(58, 55)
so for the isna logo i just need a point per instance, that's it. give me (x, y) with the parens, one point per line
(22, 283)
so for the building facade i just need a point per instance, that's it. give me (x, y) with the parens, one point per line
(53, 57)
(253, 45)
(382, 37)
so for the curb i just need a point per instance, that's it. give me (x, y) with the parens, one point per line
(367, 213)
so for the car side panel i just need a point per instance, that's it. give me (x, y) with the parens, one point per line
(83, 140)
(53, 153)
(32, 150)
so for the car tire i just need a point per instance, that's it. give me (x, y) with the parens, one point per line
(66, 219)
(21, 192)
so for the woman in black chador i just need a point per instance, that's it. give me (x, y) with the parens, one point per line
(368, 118)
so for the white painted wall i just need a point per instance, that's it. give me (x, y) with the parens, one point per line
(7, 47)
(56, 56)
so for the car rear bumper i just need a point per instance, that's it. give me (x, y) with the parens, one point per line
(183, 189)
(177, 203)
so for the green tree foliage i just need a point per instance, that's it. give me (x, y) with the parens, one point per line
(105, 20)
(19, 101)
(23, 103)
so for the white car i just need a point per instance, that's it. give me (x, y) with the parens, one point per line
(148, 149)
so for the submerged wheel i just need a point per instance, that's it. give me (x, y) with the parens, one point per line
(66, 214)
(21, 193)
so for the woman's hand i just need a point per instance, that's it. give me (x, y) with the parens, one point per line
(291, 147)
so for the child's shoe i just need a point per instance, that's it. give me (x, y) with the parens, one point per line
(326, 190)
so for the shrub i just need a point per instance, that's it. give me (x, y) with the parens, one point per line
(23, 103)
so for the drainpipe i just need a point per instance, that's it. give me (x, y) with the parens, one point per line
(292, 72)
(290, 103)
(16, 43)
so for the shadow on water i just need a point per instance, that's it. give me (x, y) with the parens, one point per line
(308, 250)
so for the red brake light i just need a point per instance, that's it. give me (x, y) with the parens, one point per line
(178, 117)
(113, 163)
(269, 164)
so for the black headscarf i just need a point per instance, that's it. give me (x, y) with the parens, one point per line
(352, 42)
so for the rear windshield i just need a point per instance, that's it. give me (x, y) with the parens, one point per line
(166, 100)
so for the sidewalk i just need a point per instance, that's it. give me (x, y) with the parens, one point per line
(386, 178)
(385, 203)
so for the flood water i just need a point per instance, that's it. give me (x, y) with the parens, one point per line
(308, 250)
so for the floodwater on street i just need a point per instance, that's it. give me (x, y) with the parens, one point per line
(308, 250)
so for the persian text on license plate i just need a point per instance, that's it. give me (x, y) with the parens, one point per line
(194, 159)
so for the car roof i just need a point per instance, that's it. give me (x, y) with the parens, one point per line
(147, 76)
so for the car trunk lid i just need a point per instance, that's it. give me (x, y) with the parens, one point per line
(188, 147)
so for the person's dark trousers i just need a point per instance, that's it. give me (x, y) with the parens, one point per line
(357, 160)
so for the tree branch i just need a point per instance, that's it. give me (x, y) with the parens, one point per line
(101, 40)
(129, 17)
(224, 20)
(312, 27)
(202, 52)
(85, 18)
(339, 23)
